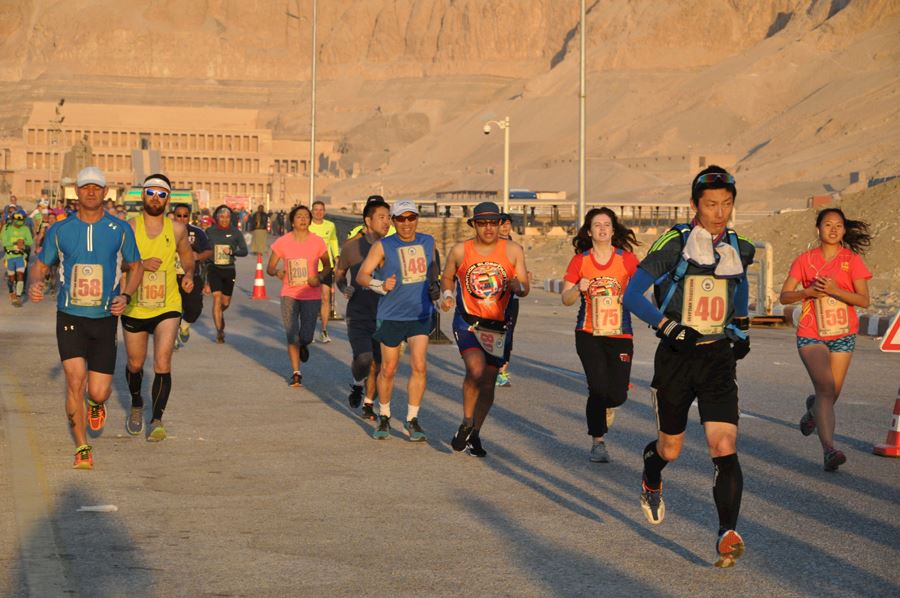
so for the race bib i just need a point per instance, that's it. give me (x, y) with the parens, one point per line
(220, 257)
(152, 293)
(413, 264)
(298, 272)
(606, 315)
(87, 285)
(705, 304)
(178, 269)
(832, 317)
(492, 341)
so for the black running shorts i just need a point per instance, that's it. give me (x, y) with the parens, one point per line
(148, 325)
(707, 373)
(93, 339)
(221, 280)
(359, 333)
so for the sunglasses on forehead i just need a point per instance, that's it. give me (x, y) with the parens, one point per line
(714, 178)
(154, 193)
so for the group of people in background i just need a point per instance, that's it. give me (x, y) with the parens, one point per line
(150, 271)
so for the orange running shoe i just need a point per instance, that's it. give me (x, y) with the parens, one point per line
(96, 415)
(84, 457)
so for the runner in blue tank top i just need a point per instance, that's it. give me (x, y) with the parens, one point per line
(409, 266)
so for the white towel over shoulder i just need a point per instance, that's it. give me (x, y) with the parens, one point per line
(699, 250)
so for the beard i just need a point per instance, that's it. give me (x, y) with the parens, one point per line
(154, 211)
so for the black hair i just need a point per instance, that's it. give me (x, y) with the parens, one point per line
(698, 189)
(187, 206)
(374, 204)
(622, 238)
(159, 176)
(856, 232)
(294, 211)
(318, 202)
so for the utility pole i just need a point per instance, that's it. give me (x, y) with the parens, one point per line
(581, 102)
(312, 114)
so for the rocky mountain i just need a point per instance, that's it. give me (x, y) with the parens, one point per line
(799, 92)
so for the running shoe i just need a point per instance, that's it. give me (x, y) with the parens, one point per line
(184, 335)
(368, 412)
(834, 459)
(383, 431)
(473, 446)
(157, 432)
(220, 336)
(808, 421)
(414, 430)
(304, 353)
(730, 547)
(356, 395)
(461, 438)
(134, 425)
(296, 380)
(178, 344)
(96, 415)
(323, 337)
(503, 379)
(599, 454)
(610, 417)
(84, 457)
(652, 504)
(17, 301)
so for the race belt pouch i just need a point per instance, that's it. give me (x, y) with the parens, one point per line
(490, 334)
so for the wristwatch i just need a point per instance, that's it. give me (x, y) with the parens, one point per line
(128, 300)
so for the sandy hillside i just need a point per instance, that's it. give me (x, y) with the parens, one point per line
(800, 92)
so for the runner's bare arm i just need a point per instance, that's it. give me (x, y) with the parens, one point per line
(859, 298)
(448, 278)
(272, 266)
(185, 254)
(790, 294)
(133, 274)
(373, 260)
(571, 291)
(37, 273)
(315, 279)
(518, 285)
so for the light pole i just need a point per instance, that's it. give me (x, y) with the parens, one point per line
(503, 124)
(581, 120)
(312, 115)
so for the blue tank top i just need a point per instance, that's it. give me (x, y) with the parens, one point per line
(410, 262)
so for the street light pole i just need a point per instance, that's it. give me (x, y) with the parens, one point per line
(581, 102)
(312, 118)
(503, 124)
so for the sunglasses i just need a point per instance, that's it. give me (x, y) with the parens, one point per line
(712, 178)
(410, 218)
(177, 215)
(159, 194)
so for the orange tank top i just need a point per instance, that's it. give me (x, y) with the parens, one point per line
(482, 282)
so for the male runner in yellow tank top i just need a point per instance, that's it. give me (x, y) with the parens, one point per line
(156, 307)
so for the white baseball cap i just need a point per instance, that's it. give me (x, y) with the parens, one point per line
(91, 176)
(403, 206)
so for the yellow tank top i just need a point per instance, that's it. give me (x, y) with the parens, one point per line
(158, 292)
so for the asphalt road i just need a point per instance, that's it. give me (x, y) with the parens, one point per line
(264, 490)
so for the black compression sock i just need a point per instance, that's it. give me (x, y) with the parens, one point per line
(653, 466)
(727, 490)
(135, 380)
(162, 386)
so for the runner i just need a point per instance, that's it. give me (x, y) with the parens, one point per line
(328, 232)
(598, 275)
(486, 272)
(191, 303)
(91, 247)
(156, 308)
(512, 309)
(17, 241)
(407, 263)
(360, 229)
(300, 252)
(699, 276)
(362, 306)
(227, 243)
(834, 281)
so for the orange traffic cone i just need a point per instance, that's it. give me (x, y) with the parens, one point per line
(259, 285)
(891, 446)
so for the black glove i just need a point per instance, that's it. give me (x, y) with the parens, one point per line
(741, 346)
(434, 290)
(679, 337)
